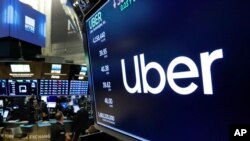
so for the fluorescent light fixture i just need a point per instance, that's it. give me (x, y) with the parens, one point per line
(20, 68)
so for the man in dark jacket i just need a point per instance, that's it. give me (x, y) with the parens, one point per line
(58, 132)
(81, 121)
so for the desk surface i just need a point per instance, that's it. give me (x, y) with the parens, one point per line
(25, 124)
(64, 121)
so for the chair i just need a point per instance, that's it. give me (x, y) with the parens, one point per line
(18, 133)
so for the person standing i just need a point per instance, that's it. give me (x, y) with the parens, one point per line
(81, 121)
(58, 132)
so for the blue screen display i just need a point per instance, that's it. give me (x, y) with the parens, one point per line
(78, 87)
(54, 87)
(22, 22)
(51, 98)
(4, 26)
(3, 88)
(22, 87)
(170, 70)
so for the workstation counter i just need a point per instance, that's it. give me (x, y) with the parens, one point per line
(39, 131)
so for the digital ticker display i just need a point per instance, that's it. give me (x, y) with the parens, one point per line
(54, 87)
(3, 88)
(78, 87)
(170, 70)
(22, 87)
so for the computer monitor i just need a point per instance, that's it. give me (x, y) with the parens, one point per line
(1, 111)
(1, 103)
(5, 114)
(22, 87)
(51, 101)
(44, 98)
(76, 108)
(53, 87)
(3, 88)
(56, 68)
(51, 104)
(64, 105)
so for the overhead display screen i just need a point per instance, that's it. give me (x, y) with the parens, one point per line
(78, 87)
(22, 87)
(21, 21)
(3, 88)
(54, 87)
(4, 26)
(170, 70)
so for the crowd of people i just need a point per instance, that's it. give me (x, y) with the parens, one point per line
(37, 110)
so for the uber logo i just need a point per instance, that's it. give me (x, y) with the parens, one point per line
(142, 68)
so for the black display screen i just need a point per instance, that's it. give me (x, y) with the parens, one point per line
(170, 70)
(54, 87)
(22, 87)
(3, 88)
(78, 87)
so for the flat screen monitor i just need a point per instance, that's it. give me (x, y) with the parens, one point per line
(1, 103)
(3, 88)
(83, 70)
(1, 111)
(54, 87)
(44, 98)
(6, 113)
(22, 87)
(56, 68)
(51, 98)
(51, 104)
(64, 105)
(76, 108)
(177, 70)
(78, 87)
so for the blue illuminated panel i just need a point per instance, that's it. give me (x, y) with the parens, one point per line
(54, 87)
(78, 87)
(4, 18)
(22, 87)
(3, 88)
(22, 22)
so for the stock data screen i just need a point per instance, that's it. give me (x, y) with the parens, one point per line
(3, 89)
(22, 87)
(78, 87)
(170, 70)
(54, 87)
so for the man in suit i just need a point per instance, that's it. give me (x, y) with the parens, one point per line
(58, 132)
(81, 120)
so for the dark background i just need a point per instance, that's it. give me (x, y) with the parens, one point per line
(163, 30)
